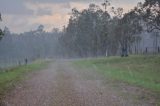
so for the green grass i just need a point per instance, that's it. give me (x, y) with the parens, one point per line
(143, 71)
(10, 77)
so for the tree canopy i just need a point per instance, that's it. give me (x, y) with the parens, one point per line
(150, 11)
(1, 32)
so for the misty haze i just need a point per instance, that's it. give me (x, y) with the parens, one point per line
(79, 52)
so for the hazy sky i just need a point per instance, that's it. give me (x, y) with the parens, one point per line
(26, 15)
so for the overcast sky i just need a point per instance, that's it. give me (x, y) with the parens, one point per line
(26, 15)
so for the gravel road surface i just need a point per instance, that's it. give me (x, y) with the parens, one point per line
(61, 84)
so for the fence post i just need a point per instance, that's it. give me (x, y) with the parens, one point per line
(135, 50)
(146, 50)
(26, 61)
(19, 63)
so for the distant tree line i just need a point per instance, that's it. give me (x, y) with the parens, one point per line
(95, 32)
(28, 46)
(91, 32)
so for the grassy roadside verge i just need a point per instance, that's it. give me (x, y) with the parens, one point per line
(143, 71)
(10, 77)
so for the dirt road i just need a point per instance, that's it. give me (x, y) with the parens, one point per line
(62, 85)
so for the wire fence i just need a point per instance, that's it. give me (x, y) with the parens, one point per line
(145, 50)
(10, 62)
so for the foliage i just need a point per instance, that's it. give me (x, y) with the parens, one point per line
(90, 32)
(150, 11)
(84, 36)
(15, 48)
(93, 32)
(1, 32)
